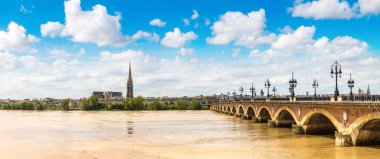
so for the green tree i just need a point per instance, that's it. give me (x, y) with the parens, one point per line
(25, 105)
(181, 104)
(65, 104)
(155, 105)
(85, 104)
(195, 105)
(94, 102)
(39, 106)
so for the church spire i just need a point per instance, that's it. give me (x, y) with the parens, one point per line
(130, 83)
(368, 91)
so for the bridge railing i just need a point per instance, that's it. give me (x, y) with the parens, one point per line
(319, 98)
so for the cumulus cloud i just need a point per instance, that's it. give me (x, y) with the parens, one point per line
(92, 26)
(146, 35)
(15, 38)
(323, 9)
(186, 51)
(245, 30)
(51, 29)
(157, 22)
(195, 14)
(369, 6)
(177, 39)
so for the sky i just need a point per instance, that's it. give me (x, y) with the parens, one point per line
(69, 48)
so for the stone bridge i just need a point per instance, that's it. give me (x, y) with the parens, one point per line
(352, 123)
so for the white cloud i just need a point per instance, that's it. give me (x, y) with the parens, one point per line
(369, 61)
(51, 29)
(186, 51)
(245, 30)
(177, 39)
(207, 22)
(255, 53)
(15, 38)
(146, 35)
(129, 54)
(235, 52)
(323, 9)
(195, 14)
(157, 22)
(369, 6)
(24, 10)
(186, 21)
(93, 26)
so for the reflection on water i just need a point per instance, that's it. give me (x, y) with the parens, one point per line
(130, 127)
(157, 134)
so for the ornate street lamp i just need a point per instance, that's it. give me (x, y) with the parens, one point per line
(292, 86)
(336, 69)
(253, 91)
(241, 93)
(267, 85)
(274, 91)
(262, 93)
(233, 95)
(315, 86)
(351, 84)
(228, 96)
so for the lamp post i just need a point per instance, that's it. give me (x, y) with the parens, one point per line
(351, 84)
(292, 86)
(274, 91)
(233, 95)
(262, 93)
(253, 91)
(336, 69)
(241, 93)
(315, 86)
(228, 96)
(267, 85)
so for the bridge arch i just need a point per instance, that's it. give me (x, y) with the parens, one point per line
(264, 114)
(250, 112)
(365, 130)
(285, 117)
(240, 110)
(234, 111)
(229, 109)
(320, 121)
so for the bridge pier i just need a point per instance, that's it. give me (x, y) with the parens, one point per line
(255, 119)
(342, 140)
(272, 123)
(298, 129)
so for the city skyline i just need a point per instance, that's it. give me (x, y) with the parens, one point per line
(184, 48)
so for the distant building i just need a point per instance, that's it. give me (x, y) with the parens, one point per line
(111, 96)
(360, 92)
(129, 83)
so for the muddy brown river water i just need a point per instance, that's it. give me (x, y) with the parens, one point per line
(157, 134)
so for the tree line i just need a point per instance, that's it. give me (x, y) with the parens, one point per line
(93, 103)
(137, 103)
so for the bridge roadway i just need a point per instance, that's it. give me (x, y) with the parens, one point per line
(353, 123)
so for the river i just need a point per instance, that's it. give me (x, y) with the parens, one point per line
(157, 134)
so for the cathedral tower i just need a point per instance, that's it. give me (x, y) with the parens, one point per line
(130, 83)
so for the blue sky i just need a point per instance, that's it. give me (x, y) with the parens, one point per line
(242, 42)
